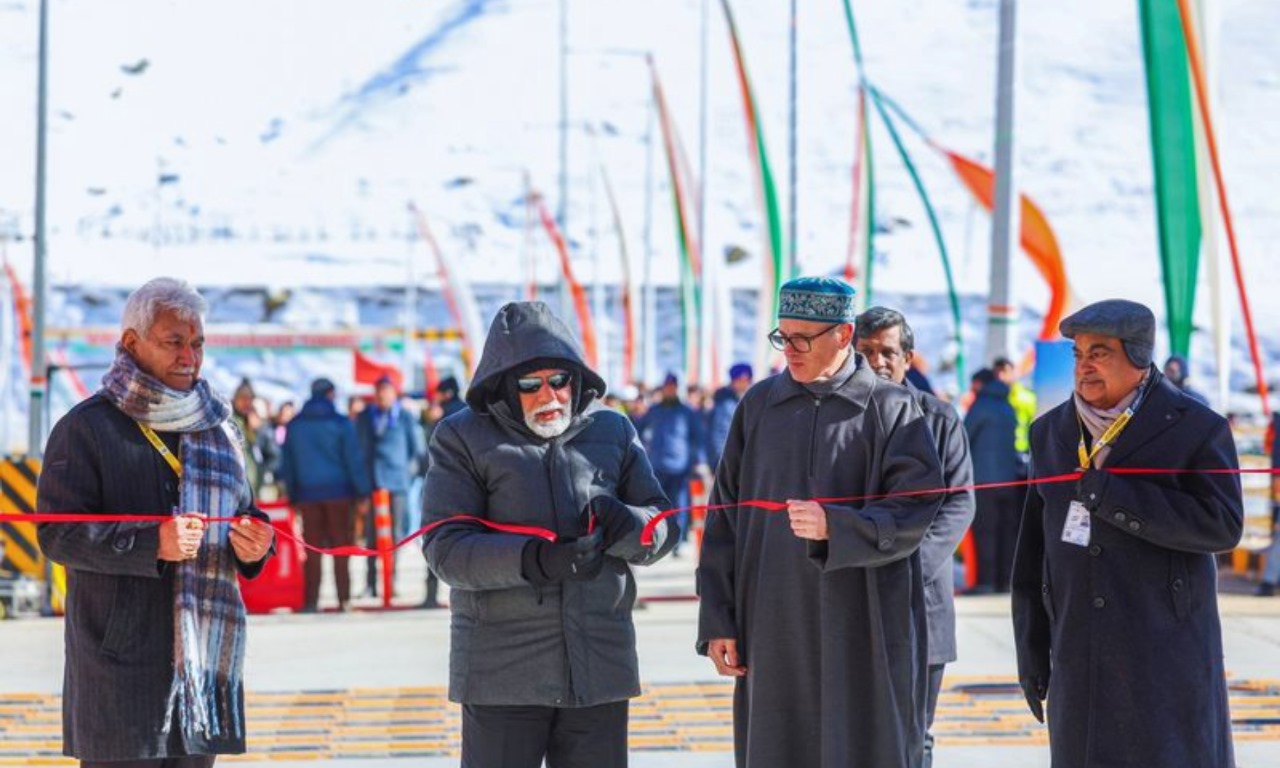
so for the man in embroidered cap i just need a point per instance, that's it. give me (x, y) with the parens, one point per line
(818, 610)
(155, 624)
(1114, 585)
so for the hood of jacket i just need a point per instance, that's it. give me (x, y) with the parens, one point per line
(524, 331)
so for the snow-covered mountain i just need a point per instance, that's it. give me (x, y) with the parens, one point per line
(279, 144)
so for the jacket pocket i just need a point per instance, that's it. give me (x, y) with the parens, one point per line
(116, 636)
(1179, 586)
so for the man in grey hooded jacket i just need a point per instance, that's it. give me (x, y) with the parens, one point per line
(543, 655)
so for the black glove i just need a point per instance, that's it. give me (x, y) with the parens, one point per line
(543, 562)
(1090, 487)
(614, 519)
(1036, 689)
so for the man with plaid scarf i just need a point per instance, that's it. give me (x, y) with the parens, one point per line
(155, 624)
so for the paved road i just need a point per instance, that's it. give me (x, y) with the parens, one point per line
(345, 677)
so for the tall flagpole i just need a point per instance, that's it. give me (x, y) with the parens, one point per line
(562, 205)
(1002, 315)
(649, 328)
(1216, 267)
(792, 260)
(707, 323)
(39, 385)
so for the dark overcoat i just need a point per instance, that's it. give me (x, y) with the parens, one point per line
(937, 551)
(832, 633)
(571, 644)
(992, 426)
(119, 623)
(1126, 630)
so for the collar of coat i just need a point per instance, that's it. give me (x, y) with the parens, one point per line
(1162, 409)
(856, 390)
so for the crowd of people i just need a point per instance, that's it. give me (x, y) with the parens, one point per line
(326, 462)
(833, 616)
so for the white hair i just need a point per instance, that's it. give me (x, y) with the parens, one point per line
(160, 295)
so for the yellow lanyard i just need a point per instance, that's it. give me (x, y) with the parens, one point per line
(1108, 437)
(167, 454)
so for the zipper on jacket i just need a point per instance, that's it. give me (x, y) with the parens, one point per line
(551, 487)
(813, 431)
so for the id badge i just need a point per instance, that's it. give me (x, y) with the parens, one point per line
(1076, 530)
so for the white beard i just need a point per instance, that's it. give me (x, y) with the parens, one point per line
(548, 429)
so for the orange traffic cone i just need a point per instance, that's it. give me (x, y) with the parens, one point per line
(382, 531)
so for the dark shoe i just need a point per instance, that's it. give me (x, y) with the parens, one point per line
(1265, 589)
(430, 605)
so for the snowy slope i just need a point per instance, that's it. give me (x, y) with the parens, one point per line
(291, 135)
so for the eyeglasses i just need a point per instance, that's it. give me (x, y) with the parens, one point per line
(798, 341)
(528, 385)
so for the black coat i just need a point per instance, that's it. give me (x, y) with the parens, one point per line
(937, 551)
(1129, 625)
(832, 632)
(992, 425)
(119, 624)
(570, 644)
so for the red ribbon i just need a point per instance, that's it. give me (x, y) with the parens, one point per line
(646, 536)
(343, 551)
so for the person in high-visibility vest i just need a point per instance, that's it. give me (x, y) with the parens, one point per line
(1271, 569)
(1023, 400)
(543, 657)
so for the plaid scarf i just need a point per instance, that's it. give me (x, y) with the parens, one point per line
(208, 616)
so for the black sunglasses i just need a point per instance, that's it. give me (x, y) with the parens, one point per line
(528, 385)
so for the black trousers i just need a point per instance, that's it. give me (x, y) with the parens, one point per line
(195, 761)
(995, 532)
(931, 706)
(520, 737)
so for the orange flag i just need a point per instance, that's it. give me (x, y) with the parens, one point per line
(1037, 238)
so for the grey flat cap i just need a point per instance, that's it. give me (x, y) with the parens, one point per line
(1130, 322)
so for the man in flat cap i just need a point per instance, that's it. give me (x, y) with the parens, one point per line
(818, 610)
(1114, 585)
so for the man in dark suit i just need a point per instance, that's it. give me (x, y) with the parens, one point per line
(885, 339)
(155, 624)
(1115, 606)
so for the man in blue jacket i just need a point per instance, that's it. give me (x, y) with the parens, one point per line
(393, 449)
(723, 404)
(992, 425)
(324, 474)
(672, 436)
